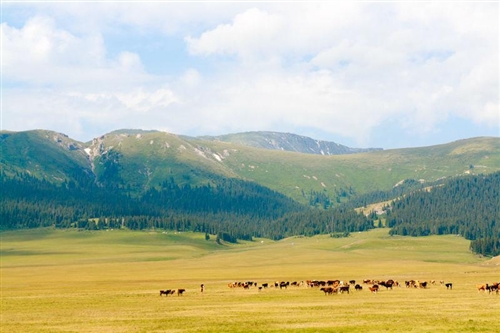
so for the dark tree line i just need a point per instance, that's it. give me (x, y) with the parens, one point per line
(468, 206)
(316, 221)
(230, 208)
(234, 209)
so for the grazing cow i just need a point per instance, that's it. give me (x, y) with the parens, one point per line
(344, 288)
(411, 283)
(423, 284)
(358, 287)
(327, 290)
(353, 282)
(165, 292)
(449, 285)
(265, 285)
(180, 292)
(367, 281)
(284, 284)
(386, 284)
(492, 288)
(374, 288)
(482, 287)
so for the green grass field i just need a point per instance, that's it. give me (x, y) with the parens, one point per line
(109, 281)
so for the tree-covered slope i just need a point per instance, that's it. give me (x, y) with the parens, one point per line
(469, 206)
(235, 209)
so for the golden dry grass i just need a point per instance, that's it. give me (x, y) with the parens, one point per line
(69, 281)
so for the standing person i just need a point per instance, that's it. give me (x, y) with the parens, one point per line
(202, 288)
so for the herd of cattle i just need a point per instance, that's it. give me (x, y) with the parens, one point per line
(330, 287)
(490, 288)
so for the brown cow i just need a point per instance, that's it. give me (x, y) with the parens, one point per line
(374, 288)
(387, 284)
(327, 290)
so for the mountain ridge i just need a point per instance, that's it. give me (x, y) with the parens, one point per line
(139, 160)
(287, 142)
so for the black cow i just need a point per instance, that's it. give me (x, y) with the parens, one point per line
(165, 292)
(344, 289)
(284, 284)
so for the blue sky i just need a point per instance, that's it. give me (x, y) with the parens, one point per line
(380, 74)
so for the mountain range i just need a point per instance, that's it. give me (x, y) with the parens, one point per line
(255, 184)
(293, 165)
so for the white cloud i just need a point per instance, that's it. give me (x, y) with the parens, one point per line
(343, 68)
(250, 33)
(191, 78)
(387, 60)
(38, 52)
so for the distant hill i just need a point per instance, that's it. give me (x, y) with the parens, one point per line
(287, 142)
(136, 160)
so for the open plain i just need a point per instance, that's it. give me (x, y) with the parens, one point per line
(109, 281)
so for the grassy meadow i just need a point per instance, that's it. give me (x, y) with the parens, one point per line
(109, 281)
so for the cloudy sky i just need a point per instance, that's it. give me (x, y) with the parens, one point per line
(364, 74)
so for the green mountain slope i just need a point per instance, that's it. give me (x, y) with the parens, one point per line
(138, 160)
(340, 176)
(43, 154)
